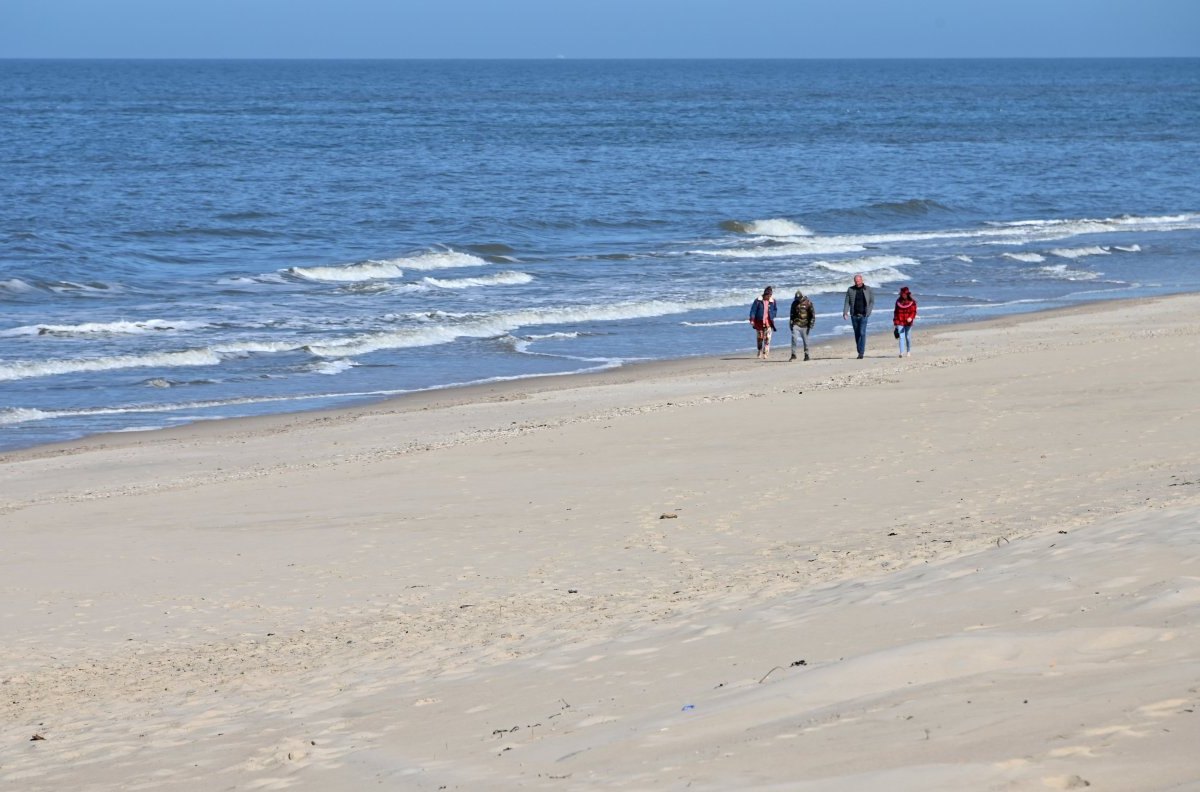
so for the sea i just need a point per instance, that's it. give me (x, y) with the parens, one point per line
(184, 241)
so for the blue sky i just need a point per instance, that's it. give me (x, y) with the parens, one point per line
(598, 28)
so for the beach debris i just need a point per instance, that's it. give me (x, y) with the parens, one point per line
(772, 671)
(1062, 532)
(36, 737)
(687, 707)
(799, 663)
(668, 516)
(893, 533)
(572, 591)
(1002, 539)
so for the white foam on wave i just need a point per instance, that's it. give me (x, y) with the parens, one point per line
(16, 415)
(1080, 252)
(499, 279)
(16, 285)
(776, 227)
(1027, 258)
(1063, 272)
(87, 289)
(44, 368)
(350, 273)
(257, 280)
(1019, 232)
(809, 247)
(963, 258)
(388, 269)
(550, 336)
(441, 259)
(1128, 248)
(522, 343)
(442, 328)
(718, 323)
(866, 264)
(104, 328)
(332, 367)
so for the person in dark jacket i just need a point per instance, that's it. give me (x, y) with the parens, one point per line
(902, 317)
(802, 317)
(762, 318)
(860, 301)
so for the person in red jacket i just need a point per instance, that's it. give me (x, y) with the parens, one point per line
(902, 317)
(762, 319)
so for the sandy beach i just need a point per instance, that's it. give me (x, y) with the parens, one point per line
(975, 568)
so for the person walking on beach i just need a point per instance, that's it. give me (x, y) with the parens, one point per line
(902, 317)
(762, 317)
(802, 317)
(860, 301)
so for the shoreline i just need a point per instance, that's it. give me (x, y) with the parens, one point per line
(974, 568)
(452, 395)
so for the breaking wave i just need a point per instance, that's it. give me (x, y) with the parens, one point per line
(104, 328)
(389, 268)
(775, 227)
(1074, 253)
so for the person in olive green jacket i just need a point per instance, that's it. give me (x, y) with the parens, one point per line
(801, 321)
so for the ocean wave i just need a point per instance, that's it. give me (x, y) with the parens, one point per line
(444, 328)
(493, 249)
(332, 367)
(1026, 258)
(866, 264)
(44, 368)
(775, 227)
(439, 259)
(369, 270)
(389, 268)
(16, 286)
(521, 344)
(1064, 272)
(16, 415)
(104, 328)
(1074, 253)
(74, 289)
(811, 247)
(499, 279)
(1075, 227)
(718, 323)
(911, 208)
(550, 336)
(1019, 232)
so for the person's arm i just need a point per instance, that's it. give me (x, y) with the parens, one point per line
(846, 306)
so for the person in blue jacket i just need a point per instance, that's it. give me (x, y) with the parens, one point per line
(762, 318)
